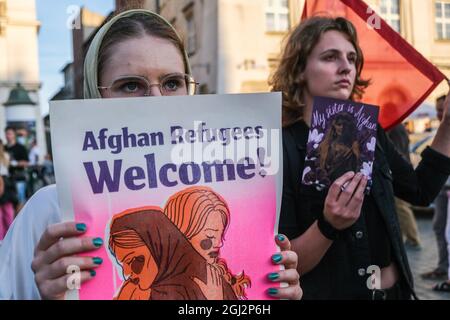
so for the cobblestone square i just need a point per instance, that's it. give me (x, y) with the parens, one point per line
(424, 260)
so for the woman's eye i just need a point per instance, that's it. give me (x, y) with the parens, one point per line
(352, 59)
(130, 87)
(172, 84)
(330, 58)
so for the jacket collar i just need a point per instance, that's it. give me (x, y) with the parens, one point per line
(300, 131)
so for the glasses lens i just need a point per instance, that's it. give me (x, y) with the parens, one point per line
(175, 85)
(129, 87)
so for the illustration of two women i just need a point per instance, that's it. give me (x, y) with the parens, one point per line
(175, 254)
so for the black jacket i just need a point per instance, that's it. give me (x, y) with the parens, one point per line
(340, 273)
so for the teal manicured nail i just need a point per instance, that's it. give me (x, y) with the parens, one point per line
(81, 227)
(93, 273)
(98, 242)
(281, 238)
(272, 291)
(273, 276)
(277, 258)
(97, 260)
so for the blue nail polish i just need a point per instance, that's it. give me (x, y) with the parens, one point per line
(97, 260)
(277, 258)
(93, 273)
(273, 276)
(98, 242)
(272, 291)
(281, 238)
(81, 227)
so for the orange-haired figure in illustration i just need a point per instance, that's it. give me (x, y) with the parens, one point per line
(203, 217)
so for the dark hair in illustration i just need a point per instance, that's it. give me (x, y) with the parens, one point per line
(339, 151)
(189, 210)
(178, 262)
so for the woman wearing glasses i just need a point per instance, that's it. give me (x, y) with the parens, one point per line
(136, 53)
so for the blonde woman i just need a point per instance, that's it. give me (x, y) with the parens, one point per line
(136, 53)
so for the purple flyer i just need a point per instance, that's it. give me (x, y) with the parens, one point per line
(342, 138)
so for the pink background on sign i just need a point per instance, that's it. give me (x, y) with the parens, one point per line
(249, 241)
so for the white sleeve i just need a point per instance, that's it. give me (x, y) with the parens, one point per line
(17, 249)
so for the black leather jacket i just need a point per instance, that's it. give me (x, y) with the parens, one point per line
(341, 274)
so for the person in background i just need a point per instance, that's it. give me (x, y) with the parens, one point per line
(408, 225)
(18, 163)
(439, 220)
(48, 171)
(6, 206)
(442, 221)
(35, 177)
(34, 154)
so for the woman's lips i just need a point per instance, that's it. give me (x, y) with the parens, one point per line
(343, 83)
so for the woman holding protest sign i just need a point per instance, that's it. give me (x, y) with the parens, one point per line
(136, 53)
(342, 234)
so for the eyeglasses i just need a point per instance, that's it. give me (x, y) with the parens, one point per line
(175, 84)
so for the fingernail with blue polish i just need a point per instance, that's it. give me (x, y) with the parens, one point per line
(93, 273)
(98, 242)
(97, 260)
(273, 276)
(277, 258)
(81, 227)
(272, 291)
(281, 238)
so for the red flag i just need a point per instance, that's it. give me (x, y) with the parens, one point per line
(401, 77)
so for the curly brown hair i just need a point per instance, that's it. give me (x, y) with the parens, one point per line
(299, 45)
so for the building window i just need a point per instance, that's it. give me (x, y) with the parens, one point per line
(277, 15)
(390, 11)
(2, 8)
(191, 45)
(2, 18)
(442, 10)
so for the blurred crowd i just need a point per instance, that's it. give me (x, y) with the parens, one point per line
(23, 170)
(410, 232)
